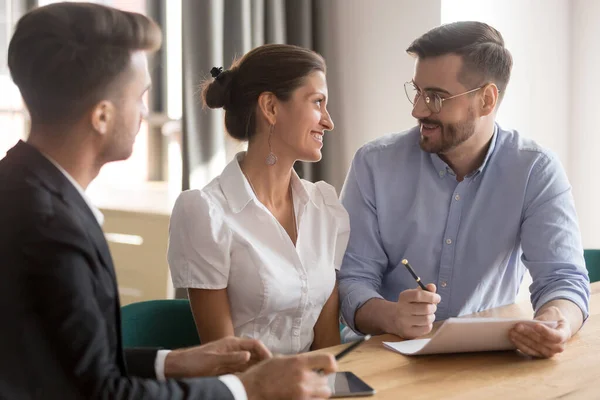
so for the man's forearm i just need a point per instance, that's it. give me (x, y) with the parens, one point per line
(569, 310)
(375, 317)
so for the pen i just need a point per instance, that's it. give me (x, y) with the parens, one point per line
(354, 345)
(412, 272)
(348, 349)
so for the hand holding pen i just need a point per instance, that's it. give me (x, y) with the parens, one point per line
(415, 309)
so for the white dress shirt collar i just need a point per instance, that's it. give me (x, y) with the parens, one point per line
(239, 193)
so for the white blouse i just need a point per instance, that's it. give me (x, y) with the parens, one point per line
(223, 237)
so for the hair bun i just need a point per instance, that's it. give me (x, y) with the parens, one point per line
(217, 93)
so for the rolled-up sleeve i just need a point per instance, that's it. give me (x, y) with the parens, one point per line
(550, 238)
(365, 260)
(199, 243)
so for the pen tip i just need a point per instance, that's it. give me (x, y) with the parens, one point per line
(405, 261)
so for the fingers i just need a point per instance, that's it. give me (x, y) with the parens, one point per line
(416, 312)
(324, 362)
(422, 308)
(234, 362)
(419, 296)
(524, 348)
(317, 386)
(235, 357)
(431, 287)
(416, 331)
(256, 347)
(529, 341)
(550, 335)
(531, 347)
(421, 320)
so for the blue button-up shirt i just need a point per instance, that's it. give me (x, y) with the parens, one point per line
(473, 238)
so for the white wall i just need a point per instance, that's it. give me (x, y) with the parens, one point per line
(584, 135)
(367, 68)
(537, 33)
(554, 94)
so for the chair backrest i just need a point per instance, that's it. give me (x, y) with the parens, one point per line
(592, 263)
(159, 323)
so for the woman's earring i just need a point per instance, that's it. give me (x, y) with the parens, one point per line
(271, 158)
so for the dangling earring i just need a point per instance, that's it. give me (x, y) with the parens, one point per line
(271, 158)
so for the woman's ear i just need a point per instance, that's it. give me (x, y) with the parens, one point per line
(267, 104)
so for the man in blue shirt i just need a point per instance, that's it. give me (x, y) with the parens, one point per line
(468, 203)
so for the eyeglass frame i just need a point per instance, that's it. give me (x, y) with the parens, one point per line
(427, 99)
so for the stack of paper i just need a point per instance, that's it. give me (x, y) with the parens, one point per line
(459, 335)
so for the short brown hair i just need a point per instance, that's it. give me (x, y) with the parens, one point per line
(480, 46)
(64, 56)
(275, 68)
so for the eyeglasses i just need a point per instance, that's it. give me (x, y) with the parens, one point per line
(432, 100)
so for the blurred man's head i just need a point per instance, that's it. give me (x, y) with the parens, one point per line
(461, 73)
(84, 65)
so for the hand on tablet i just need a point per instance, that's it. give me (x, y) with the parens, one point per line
(416, 312)
(542, 341)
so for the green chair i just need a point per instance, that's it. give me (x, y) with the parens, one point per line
(592, 262)
(159, 323)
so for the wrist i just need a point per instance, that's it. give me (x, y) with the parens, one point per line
(173, 365)
(549, 312)
(247, 383)
(390, 319)
(375, 317)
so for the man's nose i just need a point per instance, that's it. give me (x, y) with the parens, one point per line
(420, 109)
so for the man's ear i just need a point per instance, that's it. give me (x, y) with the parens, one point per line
(103, 117)
(489, 99)
(267, 104)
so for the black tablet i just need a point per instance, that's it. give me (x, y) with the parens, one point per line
(346, 384)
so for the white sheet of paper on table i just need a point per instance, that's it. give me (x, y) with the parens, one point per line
(460, 335)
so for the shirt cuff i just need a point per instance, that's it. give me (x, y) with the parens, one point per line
(575, 298)
(159, 364)
(355, 296)
(235, 386)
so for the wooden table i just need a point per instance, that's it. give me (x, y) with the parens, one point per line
(574, 374)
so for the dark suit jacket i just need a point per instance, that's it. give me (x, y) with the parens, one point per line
(60, 332)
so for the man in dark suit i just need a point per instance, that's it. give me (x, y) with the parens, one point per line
(82, 72)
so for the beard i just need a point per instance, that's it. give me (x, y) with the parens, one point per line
(451, 135)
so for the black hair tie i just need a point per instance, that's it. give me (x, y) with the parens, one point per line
(216, 71)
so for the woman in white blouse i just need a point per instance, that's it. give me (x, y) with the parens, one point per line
(258, 247)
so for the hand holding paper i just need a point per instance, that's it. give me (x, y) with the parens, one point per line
(539, 340)
(458, 335)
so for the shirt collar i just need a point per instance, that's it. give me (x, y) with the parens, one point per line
(97, 213)
(443, 168)
(239, 193)
(490, 149)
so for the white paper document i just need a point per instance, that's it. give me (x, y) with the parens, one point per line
(461, 335)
